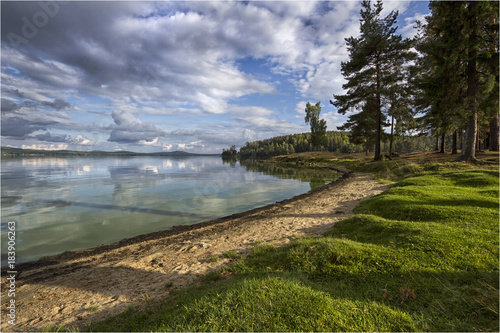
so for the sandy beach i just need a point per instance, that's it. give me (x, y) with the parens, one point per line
(76, 288)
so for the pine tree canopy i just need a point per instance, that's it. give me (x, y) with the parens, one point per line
(374, 71)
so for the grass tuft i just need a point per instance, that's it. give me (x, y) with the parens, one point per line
(231, 255)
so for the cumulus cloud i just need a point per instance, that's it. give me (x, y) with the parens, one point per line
(167, 147)
(409, 30)
(333, 119)
(178, 58)
(264, 124)
(19, 127)
(66, 139)
(129, 129)
(80, 140)
(9, 105)
(191, 145)
(61, 146)
(52, 137)
(57, 104)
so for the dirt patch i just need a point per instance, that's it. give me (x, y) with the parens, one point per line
(75, 288)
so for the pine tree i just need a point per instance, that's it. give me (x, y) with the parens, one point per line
(369, 72)
(362, 126)
(442, 83)
(400, 99)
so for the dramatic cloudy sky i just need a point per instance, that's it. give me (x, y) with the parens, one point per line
(164, 76)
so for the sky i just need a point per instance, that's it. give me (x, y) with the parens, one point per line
(196, 76)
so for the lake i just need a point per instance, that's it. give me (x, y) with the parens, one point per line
(62, 204)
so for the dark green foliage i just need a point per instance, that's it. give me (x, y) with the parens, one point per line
(296, 143)
(337, 142)
(230, 153)
(438, 78)
(457, 77)
(362, 126)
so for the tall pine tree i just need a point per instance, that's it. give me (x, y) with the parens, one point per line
(460, 50)
(438, 74)
(369, 72)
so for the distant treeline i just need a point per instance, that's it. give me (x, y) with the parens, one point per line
(337, 142)
(15, 152)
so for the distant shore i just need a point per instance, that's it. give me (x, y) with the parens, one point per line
(19, 152)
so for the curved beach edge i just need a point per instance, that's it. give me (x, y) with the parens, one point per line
(178, 229)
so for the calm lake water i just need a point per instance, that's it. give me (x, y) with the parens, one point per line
(62, 204)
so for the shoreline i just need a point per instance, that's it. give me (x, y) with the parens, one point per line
(175, 230)
(76, 288)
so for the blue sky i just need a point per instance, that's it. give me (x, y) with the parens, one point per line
(165, 76)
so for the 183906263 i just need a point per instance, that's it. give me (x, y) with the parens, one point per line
(12, 272)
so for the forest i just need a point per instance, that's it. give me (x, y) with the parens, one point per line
(438, 90)
(336, 141)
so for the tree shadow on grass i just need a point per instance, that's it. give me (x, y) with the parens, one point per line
(448, 300)
(473, 178)
(451, 301)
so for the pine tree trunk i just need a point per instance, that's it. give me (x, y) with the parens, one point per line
(469, 152)
(392, 137)
(454, 150)
(437, 143)
(478, 142)
(494, 137)
(378, 156)
(443, 144)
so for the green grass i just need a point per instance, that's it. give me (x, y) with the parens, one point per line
(422, 256)
(231, 255)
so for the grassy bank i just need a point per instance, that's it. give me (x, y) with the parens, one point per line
(423, 256)
(398, 168)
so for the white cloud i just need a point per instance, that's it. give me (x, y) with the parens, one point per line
(130, 129)
(333, 119)
(391, 5)
(61, 146)
(153, 142)
(82, 141)
(191, 145)
(249, 135)
(301, 107)
(167, 147)
(409, 31)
